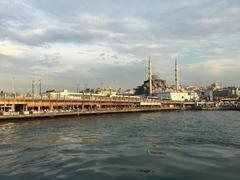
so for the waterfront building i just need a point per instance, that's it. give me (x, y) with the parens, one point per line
(177, 96)
(215, 92)
(55, 94)
(129, 92)
(215, 86)
(88, 92)
(225, 93)
(106, 91)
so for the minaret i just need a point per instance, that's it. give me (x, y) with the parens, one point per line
(150, 76)
(176, 75)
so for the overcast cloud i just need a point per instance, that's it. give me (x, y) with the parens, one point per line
(94, 43)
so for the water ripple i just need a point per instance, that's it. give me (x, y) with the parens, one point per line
(169, 145)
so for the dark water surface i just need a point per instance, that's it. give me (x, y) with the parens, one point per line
(162, 145)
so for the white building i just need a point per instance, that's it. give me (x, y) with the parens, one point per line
(62, 94)
(193, 96)
(66, 94)
(177, 96)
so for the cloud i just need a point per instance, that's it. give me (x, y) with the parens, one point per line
(65, 40)
(212, 70)
(50, 60)
(216, 67)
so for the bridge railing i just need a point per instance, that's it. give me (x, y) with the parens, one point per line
(73, 99)
(82, 98)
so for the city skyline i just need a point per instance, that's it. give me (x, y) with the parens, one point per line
(107, 43)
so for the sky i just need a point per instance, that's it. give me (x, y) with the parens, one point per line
(92, 43)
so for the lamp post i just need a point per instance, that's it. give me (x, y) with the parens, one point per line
(40, 92)
(33, 87)
(13, 86)
(4, 108)
(40, 87)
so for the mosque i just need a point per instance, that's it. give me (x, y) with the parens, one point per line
(157, 87)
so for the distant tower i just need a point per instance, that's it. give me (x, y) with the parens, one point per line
(176, 75)
(150, 76)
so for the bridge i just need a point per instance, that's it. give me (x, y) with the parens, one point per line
(43, 103)
(15, 107)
